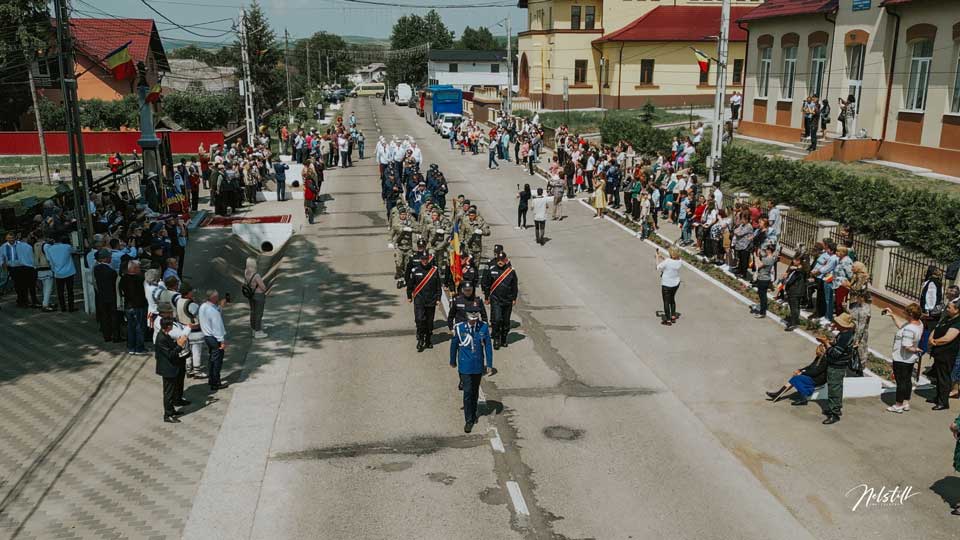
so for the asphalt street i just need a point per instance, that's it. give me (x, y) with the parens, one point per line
(600, 422)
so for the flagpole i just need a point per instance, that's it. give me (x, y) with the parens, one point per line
(723, 44)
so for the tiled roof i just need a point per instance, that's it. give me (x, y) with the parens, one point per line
(679, 23)
(466, 55)
(784, 8)
(96, 38)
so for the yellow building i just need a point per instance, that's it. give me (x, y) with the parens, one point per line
(623, 53)
(897, 58)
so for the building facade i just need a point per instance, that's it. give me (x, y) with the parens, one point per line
(623, 53)
(466, 69)
(900, 60)
(94, 39)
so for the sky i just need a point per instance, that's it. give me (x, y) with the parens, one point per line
(304, 17)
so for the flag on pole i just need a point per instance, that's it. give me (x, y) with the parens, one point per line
(154, 95)
(703, 59)
(456, 270)
(120, 63)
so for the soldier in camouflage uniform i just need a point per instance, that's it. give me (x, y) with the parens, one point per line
(437, 233)
(401, 236)
(473, 228)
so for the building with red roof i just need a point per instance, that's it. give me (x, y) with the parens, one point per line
(625, 53)
(898, 59)
(94, 39)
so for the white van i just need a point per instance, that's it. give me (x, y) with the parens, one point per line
(404, 94)
(449, 121)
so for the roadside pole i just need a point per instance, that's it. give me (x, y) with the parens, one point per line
(723, 45)
(286, 69)
(509, 71)
(251, 119)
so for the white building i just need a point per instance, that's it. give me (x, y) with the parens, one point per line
(467, 69)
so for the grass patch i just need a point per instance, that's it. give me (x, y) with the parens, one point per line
(897, 177)
(761, 148)
(589, 121)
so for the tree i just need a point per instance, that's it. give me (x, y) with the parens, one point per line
(200, 110)
(191, 52)
(266, 69)
(412, 31)
(321, 45)
(477, 40)
(31, 22)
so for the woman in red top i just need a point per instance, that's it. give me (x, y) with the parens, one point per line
(698, 216)
(115, 162)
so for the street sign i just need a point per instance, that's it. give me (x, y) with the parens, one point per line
(861, 5)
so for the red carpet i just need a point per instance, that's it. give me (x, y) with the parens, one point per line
(222, 221)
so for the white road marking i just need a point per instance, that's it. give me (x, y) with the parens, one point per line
(445, 302)
(483, 398)
(496, 442)
(517, 497)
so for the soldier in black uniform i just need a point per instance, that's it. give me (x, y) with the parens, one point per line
(423, 291)
(501, 289)
(497, 250)
(458, 307)
(420, 253)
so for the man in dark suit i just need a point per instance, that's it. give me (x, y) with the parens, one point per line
(170, 366)
(105, 282)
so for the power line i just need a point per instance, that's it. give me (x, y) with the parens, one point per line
(184, 28)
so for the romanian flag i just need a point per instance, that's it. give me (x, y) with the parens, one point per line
(456, 271)
(121, 64)
(154, 95)
(703, 60)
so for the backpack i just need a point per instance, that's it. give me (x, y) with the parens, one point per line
(246, 290)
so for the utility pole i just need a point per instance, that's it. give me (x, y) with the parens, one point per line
(509, 71)
(723, 46)
(251, 119)
(308, 64)
(328, 69)
(286, 69)
(68, 88)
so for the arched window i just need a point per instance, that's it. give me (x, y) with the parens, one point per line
(921, 58)
(818, 69)
(789, 44)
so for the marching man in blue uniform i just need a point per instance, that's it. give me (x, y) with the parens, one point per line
(471, 352)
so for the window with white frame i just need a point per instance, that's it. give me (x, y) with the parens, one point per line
(855, 57)
(763, 78)
(818, 69)
(921, 57)
(789, 72)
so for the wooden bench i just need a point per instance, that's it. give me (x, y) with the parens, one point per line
(6, 188)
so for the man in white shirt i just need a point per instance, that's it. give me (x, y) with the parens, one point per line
(214, 336)
(540, 216)
(735, 101)
(718, 198)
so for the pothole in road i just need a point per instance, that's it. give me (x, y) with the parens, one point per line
(442, 478)
(562, 433)
(493, 496)
(396, 466)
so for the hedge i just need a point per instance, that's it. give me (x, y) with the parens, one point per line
(645, 139)
(921, 219)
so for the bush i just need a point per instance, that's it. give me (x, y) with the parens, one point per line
(918, 218)
(200, 110)
(644, 138)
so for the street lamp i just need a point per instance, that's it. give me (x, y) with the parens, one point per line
(505, 23)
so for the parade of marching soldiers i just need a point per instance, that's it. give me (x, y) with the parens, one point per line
(440, 250)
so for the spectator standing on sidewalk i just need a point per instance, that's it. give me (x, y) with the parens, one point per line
(60, 257)
(214, 336)
(135, 303)
(795, 288)
(906, 352)
(280, 174)
(838, 360)
(944, 344)
(169, 367)
(556, 189)
(765, 273)
(258, 297)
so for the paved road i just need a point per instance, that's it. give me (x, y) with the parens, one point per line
(612, 426)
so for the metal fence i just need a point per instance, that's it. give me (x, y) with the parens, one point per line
(907, 272)
(863, 247)
(798, 229)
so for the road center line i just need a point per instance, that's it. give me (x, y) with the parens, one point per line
(516, 496)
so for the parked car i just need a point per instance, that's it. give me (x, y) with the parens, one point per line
(404, 93)
(447, 124)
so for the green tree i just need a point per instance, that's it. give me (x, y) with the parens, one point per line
(266, 60)
(648, 113)
(191, 52)
(200, 110)
(19, 49)
(477, 40)
(414, 31)
(322, 46)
